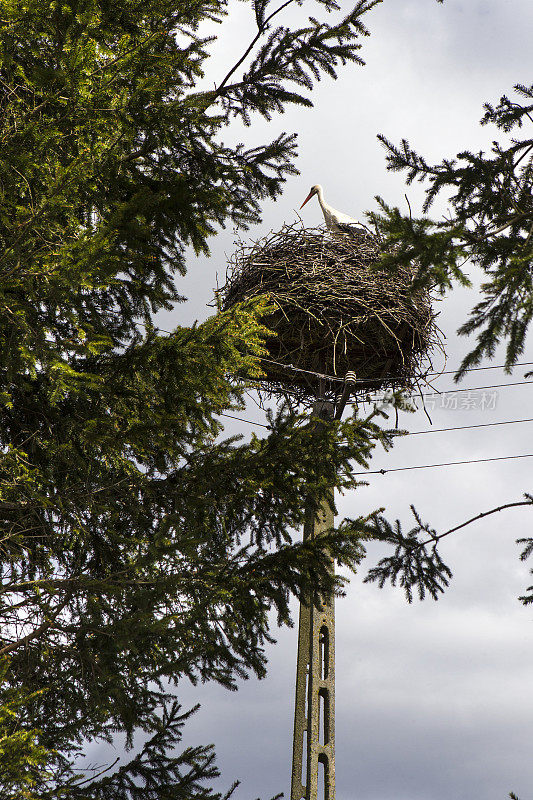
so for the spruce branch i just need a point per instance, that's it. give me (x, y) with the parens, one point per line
(410, 565)
(413, 565)
(490, 223)
(262, 25)
(50, 622)
(527, 502)
(290, 56)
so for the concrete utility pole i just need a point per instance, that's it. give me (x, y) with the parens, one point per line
(314, 716)
(313, 748)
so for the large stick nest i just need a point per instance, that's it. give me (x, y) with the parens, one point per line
(335, 310)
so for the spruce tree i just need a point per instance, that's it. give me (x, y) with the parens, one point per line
(138, 547)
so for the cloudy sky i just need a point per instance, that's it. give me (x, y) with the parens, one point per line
(434, 700)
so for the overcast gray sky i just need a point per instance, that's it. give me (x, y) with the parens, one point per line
(434, 700)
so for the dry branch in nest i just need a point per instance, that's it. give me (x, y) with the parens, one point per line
(335, 310)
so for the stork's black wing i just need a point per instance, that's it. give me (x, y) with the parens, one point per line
(349, 228)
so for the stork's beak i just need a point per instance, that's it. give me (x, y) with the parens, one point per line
(309, 196)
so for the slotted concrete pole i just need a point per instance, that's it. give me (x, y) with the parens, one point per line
(314, 716)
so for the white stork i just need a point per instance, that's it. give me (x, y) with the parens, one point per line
(336, 221)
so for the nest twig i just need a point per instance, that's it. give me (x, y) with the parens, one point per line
(335, 310)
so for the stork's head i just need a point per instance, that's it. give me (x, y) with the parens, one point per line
(316, 189)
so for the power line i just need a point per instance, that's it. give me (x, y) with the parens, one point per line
(476, 369)
(411, 433)
(468, 427)
(444, 464)
(338, 379)
(471, 389)
(249, 421)
(436, 393)
(436, 430)
(292, 368)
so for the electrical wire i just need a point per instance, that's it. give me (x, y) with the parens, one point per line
(444, 464)
(338, 379)
(476, 369)
(410, 433)
(471, 389)
(292, 368)
(468, 427)
(249, 421)
(436, 430)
